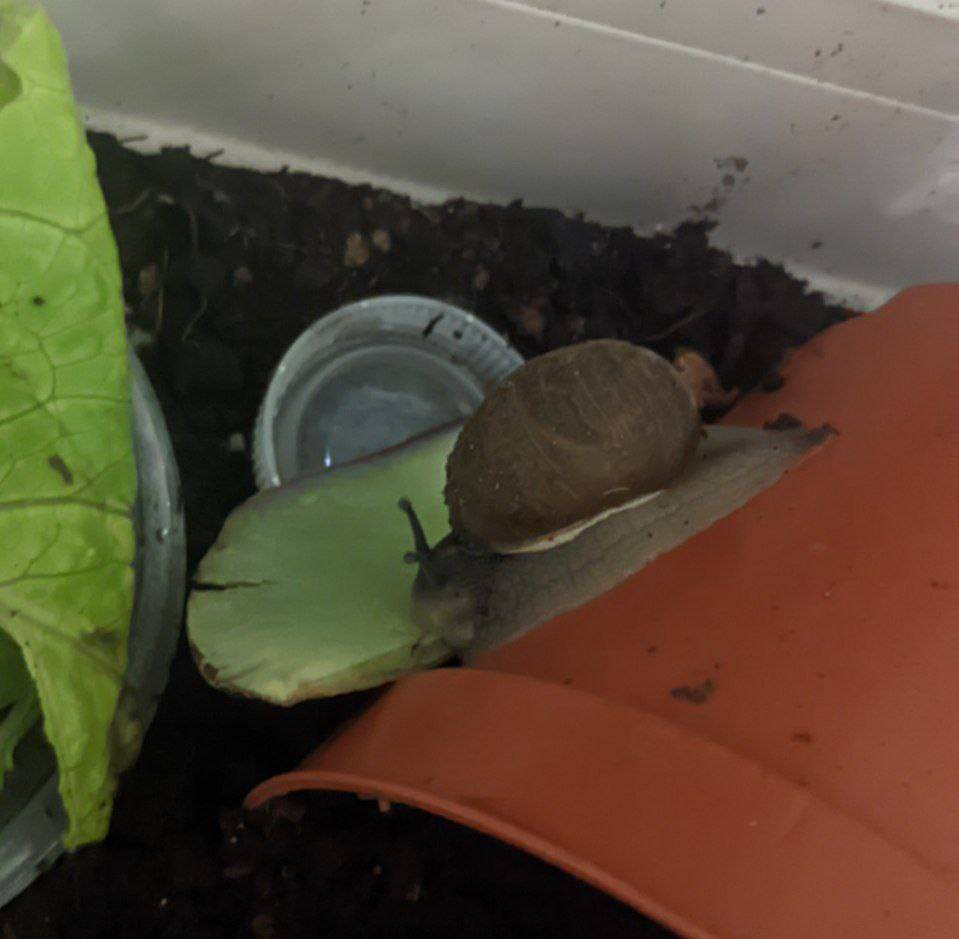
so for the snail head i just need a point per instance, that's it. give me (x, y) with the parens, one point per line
(452, 586)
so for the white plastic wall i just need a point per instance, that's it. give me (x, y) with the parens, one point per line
(845, 113)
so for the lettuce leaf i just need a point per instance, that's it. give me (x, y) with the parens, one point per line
(67, 474)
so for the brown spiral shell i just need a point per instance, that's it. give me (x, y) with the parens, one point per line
(570, 435)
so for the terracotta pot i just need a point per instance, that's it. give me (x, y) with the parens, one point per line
(756, 735)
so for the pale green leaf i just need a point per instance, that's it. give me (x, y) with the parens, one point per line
(305, 591)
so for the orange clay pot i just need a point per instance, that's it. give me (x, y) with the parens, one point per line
(758, 734)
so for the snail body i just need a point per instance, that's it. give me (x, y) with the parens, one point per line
(575, 472)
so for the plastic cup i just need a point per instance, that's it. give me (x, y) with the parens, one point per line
(370, 376)
(32, 820)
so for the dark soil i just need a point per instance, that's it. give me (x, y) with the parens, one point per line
(222, 270)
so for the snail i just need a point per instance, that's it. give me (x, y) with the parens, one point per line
(574, 472)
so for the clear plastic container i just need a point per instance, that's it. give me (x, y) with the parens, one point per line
(369, 376)
(31, 815)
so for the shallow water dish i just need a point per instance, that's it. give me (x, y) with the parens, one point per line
(31, 815)
(369, 376)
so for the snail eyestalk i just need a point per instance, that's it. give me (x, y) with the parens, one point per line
(422, 552)
(420, 544)
(451, 590)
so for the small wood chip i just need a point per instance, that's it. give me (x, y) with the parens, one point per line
(242, 276)
(530, 320)
(148, 280)
(701, 379)
(356, 251)
(480, 278)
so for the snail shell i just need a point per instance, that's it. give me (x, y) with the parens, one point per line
(569, 438)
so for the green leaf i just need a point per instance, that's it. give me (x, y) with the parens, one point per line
(305, 591)
(67, 475)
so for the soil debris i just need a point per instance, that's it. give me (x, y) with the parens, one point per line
(783, 421)
(695, 694)
(701, 379)
(356, 252)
